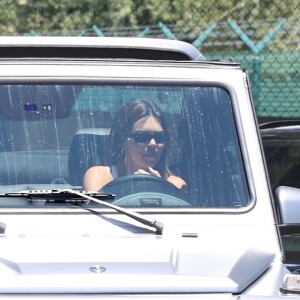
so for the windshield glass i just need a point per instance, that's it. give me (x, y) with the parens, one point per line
(151, 146)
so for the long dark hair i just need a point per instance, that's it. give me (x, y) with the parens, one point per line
(122, 125)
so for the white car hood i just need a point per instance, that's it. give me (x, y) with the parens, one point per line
(110, 260)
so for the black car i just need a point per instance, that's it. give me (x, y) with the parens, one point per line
(281, 142)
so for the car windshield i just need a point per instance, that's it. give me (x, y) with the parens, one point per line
(52, 134)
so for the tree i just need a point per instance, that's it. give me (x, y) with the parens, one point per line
(64, 16)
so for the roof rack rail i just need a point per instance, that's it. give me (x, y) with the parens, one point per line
(97, 47)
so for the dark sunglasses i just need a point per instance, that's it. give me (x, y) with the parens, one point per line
(144, 137)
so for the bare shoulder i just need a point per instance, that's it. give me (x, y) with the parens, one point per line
(98, 170)
(177, 181)
(96, 177)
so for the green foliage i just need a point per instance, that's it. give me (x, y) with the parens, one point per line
(54, 15)
(22, 16)
(8, 16)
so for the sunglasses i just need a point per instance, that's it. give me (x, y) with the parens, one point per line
(144, 137)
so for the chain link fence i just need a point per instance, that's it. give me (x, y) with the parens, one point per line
(262, 35)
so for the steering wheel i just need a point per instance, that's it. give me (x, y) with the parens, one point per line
(141, 190)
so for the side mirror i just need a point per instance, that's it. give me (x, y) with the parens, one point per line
(288, 200)
(288, 207)
(288, 204)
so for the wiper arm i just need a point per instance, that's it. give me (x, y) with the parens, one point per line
(134, 215)
(67, 195)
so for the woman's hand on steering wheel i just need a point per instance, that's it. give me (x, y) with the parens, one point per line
(149, 172)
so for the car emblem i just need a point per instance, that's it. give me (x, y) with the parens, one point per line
(97, 269)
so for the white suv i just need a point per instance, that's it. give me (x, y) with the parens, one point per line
(139, 235)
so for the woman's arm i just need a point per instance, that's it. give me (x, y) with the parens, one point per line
(177, 181)
(96, 177)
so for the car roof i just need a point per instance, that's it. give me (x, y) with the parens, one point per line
(96, 47)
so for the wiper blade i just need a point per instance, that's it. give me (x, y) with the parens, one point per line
(58, 195)
(76, 197)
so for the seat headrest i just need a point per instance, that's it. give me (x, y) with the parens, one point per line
(88, 148)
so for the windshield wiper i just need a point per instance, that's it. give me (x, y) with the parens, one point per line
(58, 195)
(67, 195)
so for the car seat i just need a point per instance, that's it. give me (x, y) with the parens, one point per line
(88, 148)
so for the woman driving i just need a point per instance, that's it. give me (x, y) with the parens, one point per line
(139, 142)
